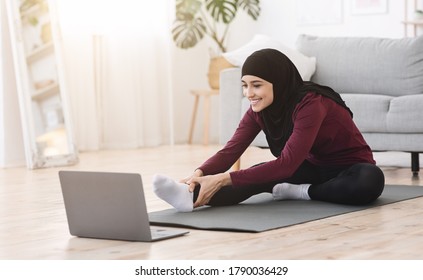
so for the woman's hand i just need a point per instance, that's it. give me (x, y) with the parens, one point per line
(210, 185)
(197, 173)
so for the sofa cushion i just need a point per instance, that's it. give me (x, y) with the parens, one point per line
(370, 111)
(406, 114)
(367, 65)
(305, 65)
(386, 114)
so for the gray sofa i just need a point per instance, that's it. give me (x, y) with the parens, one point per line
(380, 79)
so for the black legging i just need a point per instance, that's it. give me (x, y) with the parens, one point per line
(358, 184)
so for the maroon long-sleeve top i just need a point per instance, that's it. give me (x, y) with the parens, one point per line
(324, 134)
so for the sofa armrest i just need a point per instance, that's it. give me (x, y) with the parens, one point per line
(230, 99)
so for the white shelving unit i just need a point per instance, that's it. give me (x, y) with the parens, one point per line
(411, 22)
(40, 83)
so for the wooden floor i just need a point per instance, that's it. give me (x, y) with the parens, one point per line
(33, 221)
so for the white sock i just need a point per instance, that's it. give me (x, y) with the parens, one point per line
(174, 193)
(285, 191)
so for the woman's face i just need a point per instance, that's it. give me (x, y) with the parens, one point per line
(258, 91)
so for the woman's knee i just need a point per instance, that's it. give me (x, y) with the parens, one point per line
(369, 184)
(371, 176)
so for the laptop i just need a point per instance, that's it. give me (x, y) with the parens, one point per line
(109, 205)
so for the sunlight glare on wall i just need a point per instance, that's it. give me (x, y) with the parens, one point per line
(114, 16)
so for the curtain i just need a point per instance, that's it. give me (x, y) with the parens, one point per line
(117, 56)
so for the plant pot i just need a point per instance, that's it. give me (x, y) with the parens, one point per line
(216, 65)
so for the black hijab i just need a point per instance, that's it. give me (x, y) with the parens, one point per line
(288, 90)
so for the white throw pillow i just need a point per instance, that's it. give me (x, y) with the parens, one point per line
(305, 65)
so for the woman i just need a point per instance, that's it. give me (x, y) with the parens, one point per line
(320, 153)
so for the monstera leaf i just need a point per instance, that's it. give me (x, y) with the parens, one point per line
(197, 18)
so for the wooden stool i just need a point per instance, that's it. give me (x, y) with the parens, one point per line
(206, 93)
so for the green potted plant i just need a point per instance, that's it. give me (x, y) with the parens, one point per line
(196, 19)
(418, 14)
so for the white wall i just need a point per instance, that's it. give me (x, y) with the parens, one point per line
(189, 67)
(279, 20)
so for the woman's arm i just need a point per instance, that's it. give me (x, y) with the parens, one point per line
(308, 118)
(247, 130)
(211, 174)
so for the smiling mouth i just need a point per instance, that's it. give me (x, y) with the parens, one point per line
(254, 101)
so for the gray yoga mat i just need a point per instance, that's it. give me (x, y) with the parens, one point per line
(261, 212)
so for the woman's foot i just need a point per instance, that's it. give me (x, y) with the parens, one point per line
(286, 191)
(174, 193)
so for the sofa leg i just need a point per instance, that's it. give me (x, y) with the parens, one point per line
(415, 165)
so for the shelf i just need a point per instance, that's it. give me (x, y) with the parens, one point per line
(36, 9)
(46, 92)
(40, 52)
(47, 135)
(414, 22)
